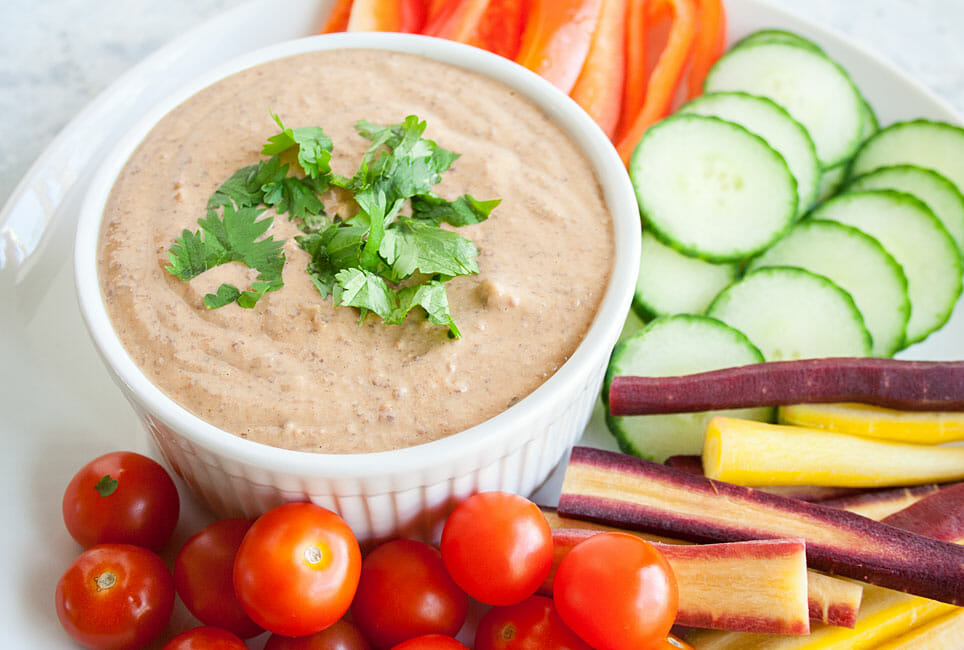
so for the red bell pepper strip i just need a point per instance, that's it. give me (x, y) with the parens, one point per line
(493, 25)
(599, 89)
(387, 16)
(556, 39)
(708, 44)
(338, 18)
(664, 79)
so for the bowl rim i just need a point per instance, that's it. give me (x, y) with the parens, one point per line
(502, 428)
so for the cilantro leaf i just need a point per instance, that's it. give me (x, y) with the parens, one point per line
(365, 290)
(463, 211)
(245, 187)
(411, 245)
(432, 298)
(235, 236)
(314, 147)
(227, 293)
(296, 196)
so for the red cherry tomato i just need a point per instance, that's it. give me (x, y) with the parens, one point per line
(342, 635)
(121, 498)
(115, 597)
(297, 569)
(204, 577)
(617, 592)
(532, 624)
(431, 642)
(205, 638)
(497, 546)
(405, 592)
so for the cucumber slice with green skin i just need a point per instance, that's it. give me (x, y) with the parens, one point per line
(711, 189)
(831, 181)
(670, 346)
(858, 264)
(777, 36)
(940, 195)
(910, 232)
(672, 283)
(870, 121)
(772, 123)
(790, 313)
(816, 91)
(933, 145)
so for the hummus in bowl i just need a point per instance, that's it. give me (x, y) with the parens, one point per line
(294, 399)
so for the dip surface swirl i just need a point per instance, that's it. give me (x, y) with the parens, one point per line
(297, 372)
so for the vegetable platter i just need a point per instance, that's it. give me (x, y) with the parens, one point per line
(57, 404)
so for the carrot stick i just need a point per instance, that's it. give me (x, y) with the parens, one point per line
(906, 385)
(707, 45)
(599, 89)
(338, 18)
(666, 75)
(556, 39)
(634, 88)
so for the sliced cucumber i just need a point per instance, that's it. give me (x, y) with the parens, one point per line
(672, 283)
(771, 122)
(918, 241)
(712, 189)
(831, 181)
(870, 122)
(816, 91)
(777, 36)
(670, 346)
(790, 313)
(858, 264)
(940, 195)
(932, 145)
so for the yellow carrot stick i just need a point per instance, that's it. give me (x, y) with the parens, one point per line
(759, 454)
(919, 427)
(883, 615)
(944, 633)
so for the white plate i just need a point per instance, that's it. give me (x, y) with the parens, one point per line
(58, 407)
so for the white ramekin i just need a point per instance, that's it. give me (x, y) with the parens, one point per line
(409, 491)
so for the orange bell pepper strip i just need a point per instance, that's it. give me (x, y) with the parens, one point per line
(664, 79)
(493, 25)
(387, 16)
(338, 18)
(708, 44)
(556, 39)
(434, 6)
(599, 88)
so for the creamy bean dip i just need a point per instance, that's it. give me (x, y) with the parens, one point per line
(299, 373)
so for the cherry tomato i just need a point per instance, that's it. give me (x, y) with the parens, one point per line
(431, 642)
(121, 498)
(204, 577)
(205, 638)
(532, 624)
(297, 569)
(405, 592)
(342, 635)
(497, 546)
(616, 592)
(115, 597)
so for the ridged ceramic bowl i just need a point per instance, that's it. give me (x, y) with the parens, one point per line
(407, 491)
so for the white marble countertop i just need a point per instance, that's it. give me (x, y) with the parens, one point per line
(57, 55)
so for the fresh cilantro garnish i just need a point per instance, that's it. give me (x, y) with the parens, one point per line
(234, 237)
(376, 260)
(314, 147)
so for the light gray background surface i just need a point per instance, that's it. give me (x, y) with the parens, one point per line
(57, 55)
